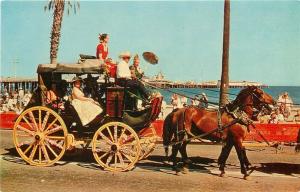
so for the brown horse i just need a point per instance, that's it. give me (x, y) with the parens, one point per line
(230, 124)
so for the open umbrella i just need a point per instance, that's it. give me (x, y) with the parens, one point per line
(150, 57)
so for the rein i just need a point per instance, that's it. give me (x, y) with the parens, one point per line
(238, 115)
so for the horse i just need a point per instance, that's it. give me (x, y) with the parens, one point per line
(229, 124)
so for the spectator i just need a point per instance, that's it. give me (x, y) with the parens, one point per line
(11, 103)
(163, 109)
(176, 103)
(284, 111)
(203, 101)
(279, 115)
(286, 101)
(273, 119)
(26, 98)
(184, 101)
(297, 116)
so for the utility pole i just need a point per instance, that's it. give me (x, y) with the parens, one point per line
(225, 57)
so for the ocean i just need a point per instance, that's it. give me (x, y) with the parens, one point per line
(213, 93)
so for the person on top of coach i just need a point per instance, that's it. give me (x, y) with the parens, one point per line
(136, 71)
(124, 77)
(102, 48)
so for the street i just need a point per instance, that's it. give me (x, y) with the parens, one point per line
(79, 172)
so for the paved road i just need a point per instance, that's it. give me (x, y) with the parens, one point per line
(273, 172)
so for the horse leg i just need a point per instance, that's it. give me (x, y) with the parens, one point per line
(239, 150)
(186, 161)
(173, 157)
(247, 162)
(224, 154)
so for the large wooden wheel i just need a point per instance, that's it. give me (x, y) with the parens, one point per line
(116, 146)
(148, 139)
(40, 136)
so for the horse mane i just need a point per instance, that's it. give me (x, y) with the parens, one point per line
(241, 95)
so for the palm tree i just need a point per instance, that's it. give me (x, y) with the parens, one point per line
(225, 57)
(58, 6)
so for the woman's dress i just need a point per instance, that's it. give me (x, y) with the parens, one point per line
(86, 110)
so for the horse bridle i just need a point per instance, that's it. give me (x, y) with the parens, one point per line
(257, 103)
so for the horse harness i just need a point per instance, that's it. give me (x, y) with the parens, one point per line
(238, 115)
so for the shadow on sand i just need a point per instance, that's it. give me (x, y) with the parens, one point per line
(84, 158)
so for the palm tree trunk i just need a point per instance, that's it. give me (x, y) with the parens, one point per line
(225, 58)
(56, 27)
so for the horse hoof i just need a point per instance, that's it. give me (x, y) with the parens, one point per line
(185, 170)
(222, 174)
(188, 162)
(246, 177)
(177, 170)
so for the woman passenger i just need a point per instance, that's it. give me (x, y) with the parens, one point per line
(86, 108)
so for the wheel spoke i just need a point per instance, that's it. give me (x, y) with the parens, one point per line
(116, 133)
(45, 120)
(127, 157)
(21, 135)
(26, 120)
(128, 144)
(52, 151)
(121, 158)
(115, 165)
(51, 124)
(104, 154)
(109, 159)
(109, 132)
(33, 152)
(122, 133)
(53, 142)
(28, 148)
(55, 137)
(103, 147)
(40, 120)
(58, 128)
(45, 153)
(40, 154)
(25, 130)
(32, 119)
(106, 139)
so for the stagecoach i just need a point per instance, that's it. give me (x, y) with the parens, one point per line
(118, 138)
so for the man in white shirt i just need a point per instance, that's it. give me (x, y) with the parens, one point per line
(124, 75)
(286, 101)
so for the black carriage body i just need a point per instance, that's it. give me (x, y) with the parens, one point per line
(116, 103)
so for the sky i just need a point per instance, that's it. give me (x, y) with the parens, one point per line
(185, 35)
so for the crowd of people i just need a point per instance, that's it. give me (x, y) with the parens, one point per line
(180, 101)
(15, 100)
(282, 112)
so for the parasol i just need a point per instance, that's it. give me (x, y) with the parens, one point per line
(150, 57)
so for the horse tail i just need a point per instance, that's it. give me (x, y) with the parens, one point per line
(167, 133)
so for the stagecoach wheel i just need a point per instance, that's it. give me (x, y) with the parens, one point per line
(148, 139)
(40, 136)
(116, 146)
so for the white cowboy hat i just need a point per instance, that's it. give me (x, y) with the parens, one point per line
(76, 78)
(124, 54)
(203, 94)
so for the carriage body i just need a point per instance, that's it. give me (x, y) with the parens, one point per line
(118, 138)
